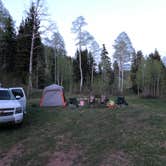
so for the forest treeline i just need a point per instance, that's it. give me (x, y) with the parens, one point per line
(28, 59)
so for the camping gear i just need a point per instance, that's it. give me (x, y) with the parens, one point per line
(103, 99)
(111, 104)
(53, 95)
(82, 103)
(92, 99)
(73, 102)
(121, 100)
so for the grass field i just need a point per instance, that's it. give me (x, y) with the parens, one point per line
(134, 135)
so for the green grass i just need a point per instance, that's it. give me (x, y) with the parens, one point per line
(134, 135)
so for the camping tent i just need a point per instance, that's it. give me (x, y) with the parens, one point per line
(53, 95)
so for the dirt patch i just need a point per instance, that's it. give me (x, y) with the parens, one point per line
(14, 152)
(68, 158)
(163, 145)
(117, 158)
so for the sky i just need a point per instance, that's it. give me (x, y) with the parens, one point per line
(143, 20)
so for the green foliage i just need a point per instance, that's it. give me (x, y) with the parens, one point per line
(7, 47)
(87, 66)
(106, 71)
(115, 76)
(134, 68)
(10, 47)
(7, 40)
(150, 76)
(24, 39)
(123, 52)
(51, 65)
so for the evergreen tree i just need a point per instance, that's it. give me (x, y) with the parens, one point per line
(23, 49)
(91, 69)
(115, 77)
(7, 40)
(24, 41)
(134, 68)
(155, 55)
(86, 67)
(76, 71)
(87, 61)
(10, 40)
(106, 71)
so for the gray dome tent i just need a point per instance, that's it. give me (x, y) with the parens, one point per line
(53, 95)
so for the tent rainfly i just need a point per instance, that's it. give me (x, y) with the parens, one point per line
(53, 95)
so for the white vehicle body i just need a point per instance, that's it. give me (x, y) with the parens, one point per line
(19, 94)
(10, 108)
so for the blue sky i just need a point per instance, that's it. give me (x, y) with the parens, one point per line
(143, 20)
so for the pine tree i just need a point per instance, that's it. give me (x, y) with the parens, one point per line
(7, 40)
(106, 71)
(24, 48)
(76, 71)
(134, 68)
(91, 69)
(10, 37)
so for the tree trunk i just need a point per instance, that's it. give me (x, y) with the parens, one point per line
(55, 66)
(61, 81)
(81, 74)
(30, 63)
(119, 80)
(47, 73)
(158, 87)
(92, 78)
(122, 72)
(154, 93)
(143, 81)
(122, 81)
(37, 77)
(58, 70)
(37, 73)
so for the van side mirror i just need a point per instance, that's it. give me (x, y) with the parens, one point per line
(18, 97)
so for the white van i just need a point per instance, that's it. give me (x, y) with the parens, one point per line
(19, 94)
(10, 109)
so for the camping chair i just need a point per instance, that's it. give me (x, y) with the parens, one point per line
(91, 99)
(73, 102)
(81, 102)
(103, 99)
(121, 100)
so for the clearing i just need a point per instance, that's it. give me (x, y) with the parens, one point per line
(130, 136)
